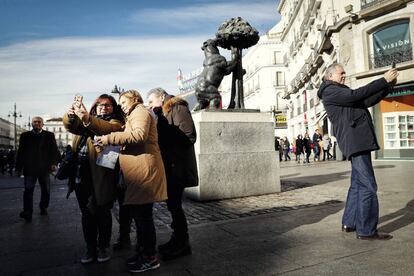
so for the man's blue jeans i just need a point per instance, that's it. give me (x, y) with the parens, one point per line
(361, 210)
(316, 151)
(29, 185)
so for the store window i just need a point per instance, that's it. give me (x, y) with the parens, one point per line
(398, 130)
(391, 43)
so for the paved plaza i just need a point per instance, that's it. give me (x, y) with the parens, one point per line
(295, 232)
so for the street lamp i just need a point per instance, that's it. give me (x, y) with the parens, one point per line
(117, 90)
(15, 115)
(29, 124)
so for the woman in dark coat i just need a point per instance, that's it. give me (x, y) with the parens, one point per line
(299, 148)
(307, 147)
(95, 186)
(177, 136)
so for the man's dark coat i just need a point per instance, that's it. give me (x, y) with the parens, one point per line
(37, 153)
(347, 110)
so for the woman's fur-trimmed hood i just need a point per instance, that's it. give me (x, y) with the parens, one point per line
(171, 101)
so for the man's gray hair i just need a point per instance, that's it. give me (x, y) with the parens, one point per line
(157, 92)
(37, 118)
(331, 70)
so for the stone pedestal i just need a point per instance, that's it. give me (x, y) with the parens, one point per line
(235, 154)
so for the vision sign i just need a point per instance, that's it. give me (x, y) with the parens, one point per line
(392, 38)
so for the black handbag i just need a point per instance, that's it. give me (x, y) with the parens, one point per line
(67, 167)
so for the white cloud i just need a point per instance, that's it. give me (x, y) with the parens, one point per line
(42, 76)
(199, 15)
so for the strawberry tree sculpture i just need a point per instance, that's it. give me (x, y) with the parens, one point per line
(237, 34)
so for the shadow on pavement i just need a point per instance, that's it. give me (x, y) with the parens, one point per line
(255, 246)
(384, 166)
(405, 216)
(288, 184)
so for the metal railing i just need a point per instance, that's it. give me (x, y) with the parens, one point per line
(401, 54)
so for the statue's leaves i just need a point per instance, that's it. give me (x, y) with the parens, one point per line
(238, 33)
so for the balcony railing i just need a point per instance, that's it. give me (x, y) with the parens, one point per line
(401, 54)
(365, 4)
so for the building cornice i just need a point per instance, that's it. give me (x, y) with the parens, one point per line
(291, 18)
(281, 4)
(382, 70)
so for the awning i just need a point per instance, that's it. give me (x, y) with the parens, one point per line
(402, 90)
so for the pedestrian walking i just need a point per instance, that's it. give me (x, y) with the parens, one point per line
(280, 150)
(3, 161)
(37, 157)
(11, 155)
(176, 137)
(94, 185)
(286, 148)
(143, 172)
(316, 139)
(278, 147)
(326, 141)
(307, 142)
(299, 148)
(347, 110)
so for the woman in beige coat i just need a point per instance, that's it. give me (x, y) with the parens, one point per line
(143, 173)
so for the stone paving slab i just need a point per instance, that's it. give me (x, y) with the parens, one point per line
(296, 232)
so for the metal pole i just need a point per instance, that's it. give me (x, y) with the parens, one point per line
(15, 115)
(15, 128)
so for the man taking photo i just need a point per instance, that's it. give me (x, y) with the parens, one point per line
(347, 110)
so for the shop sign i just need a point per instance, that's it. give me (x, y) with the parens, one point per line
(393, 38)
(280, 121)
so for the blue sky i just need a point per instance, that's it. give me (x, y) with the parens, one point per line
(51, 50)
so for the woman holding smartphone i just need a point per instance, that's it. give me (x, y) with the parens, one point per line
(143, 171)
(95, 186)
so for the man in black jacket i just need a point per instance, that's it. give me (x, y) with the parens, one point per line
(176, 138)
(37, 157)
(347, 110)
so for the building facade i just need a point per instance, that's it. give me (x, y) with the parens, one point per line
(62, 136)
(7, 134)
(367, 37)
(6, 138)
